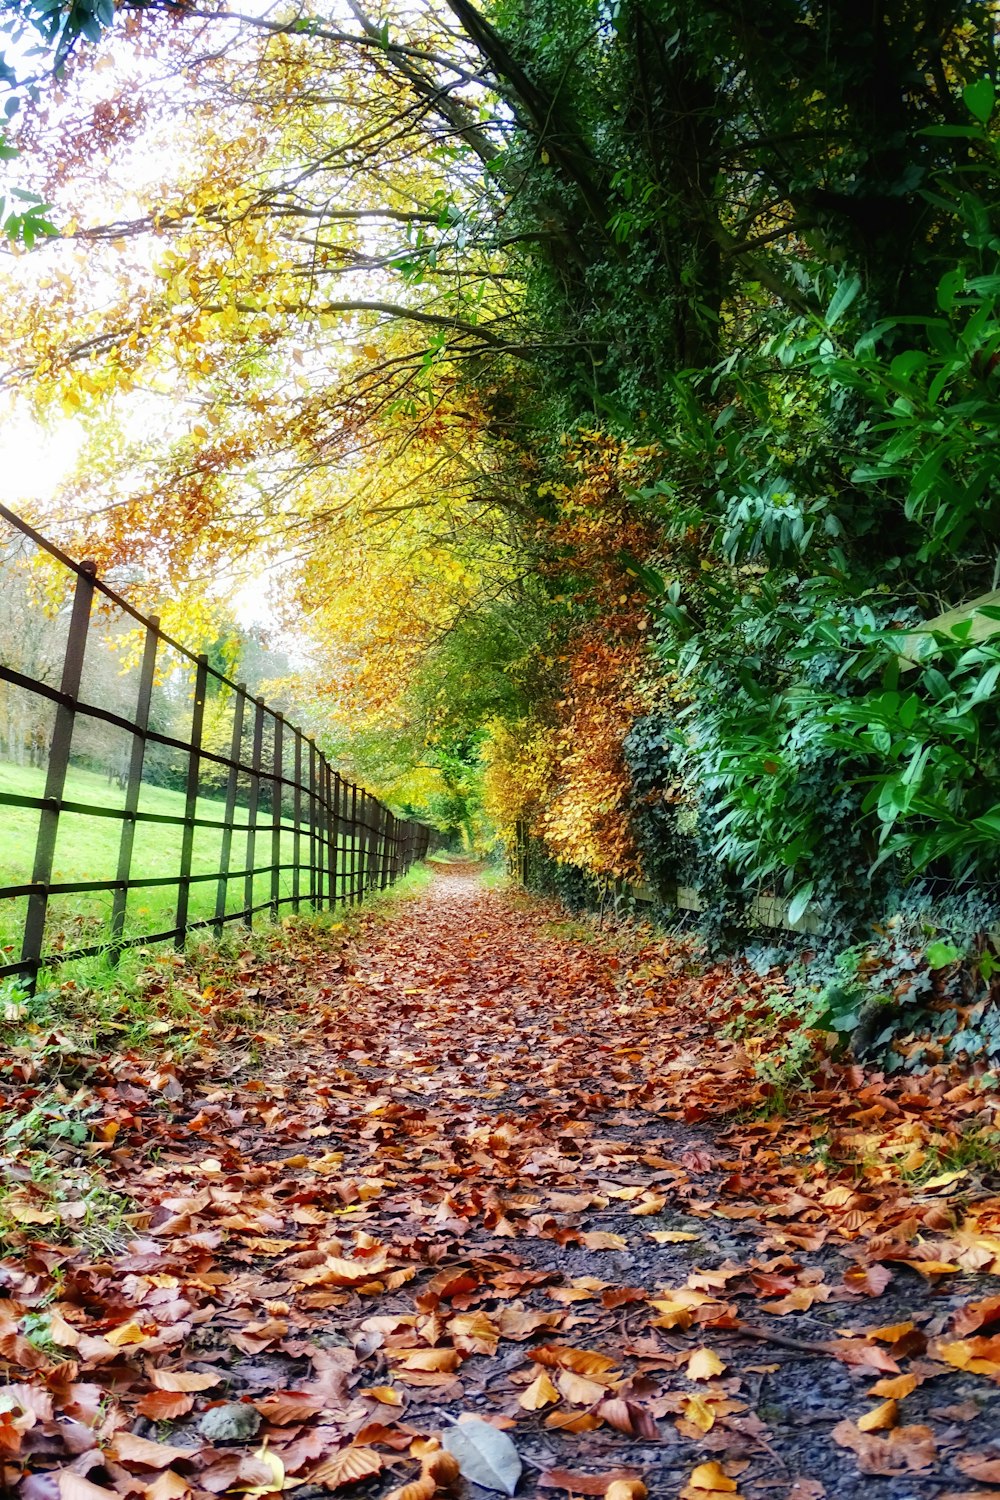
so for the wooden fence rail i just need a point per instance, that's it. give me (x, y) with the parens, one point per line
(324, 840)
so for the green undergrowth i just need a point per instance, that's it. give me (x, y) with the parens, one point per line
(156, 997)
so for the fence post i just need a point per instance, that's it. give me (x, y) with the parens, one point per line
(312, 825)
(326, 832)
(276, 801)
(366, 843)
(297, 819)
(374, 819)
(232, 788)
(252, 800)
(379, 846)
(332, 831)
(387, 828)
(354, 843)
(337, 852)
(55, 775)
(191, 802)
(127, 840)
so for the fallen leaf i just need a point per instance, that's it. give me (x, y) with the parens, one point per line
(346, 1466)
(486, 1457)
(704, 1364)
(879, 1418)
(905, 1450)
(164, 1406)
(129, 1449)
(711, 1477)
(982, 1466)
(386, 1394)
(541, 1392)
(585, 1484)
(182, 1380)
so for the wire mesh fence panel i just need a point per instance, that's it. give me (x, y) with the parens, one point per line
(143, 793)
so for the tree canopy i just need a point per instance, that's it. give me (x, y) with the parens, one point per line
(611, 390)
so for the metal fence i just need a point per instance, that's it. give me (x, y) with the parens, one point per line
(122, 750)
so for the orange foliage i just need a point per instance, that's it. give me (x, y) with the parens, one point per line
(568, 779)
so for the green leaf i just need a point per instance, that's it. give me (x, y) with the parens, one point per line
(987, 965)
(799, 902)
(940, 955)
(842, 299)
(980, 99)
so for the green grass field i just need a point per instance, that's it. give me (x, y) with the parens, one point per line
(87, 849)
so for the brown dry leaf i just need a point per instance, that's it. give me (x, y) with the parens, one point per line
(444, 1469)
(61, 1332)
(807, 1489)
(474, 1333)
(541, 1392)
(347, 1466)
(581, 1361)
(164, 1406)
(626, 1489)
(976, 1315)
(182, 1380)
(129, 1449)
(905, 1450)
(285, 1407)
(73, 1486)
(515, 1323)
(600, 1239)
(168, 1486)
(982, 1466)
(577, 1390)
(425, 1359)
(568, 1421)
(424, 1488)
(585, 1484)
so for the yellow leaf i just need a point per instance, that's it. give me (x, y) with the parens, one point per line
(896, 1386)
(703, 1364)
(932, 1267)
(671, 1236)
(962, 1354)
(879, 1418)
(600, 1239)
(387, 1394)
(125, 1333)
(273, 1462)
(710, 1477)
(699, 1413)
(944, 1180)
(541, 1392)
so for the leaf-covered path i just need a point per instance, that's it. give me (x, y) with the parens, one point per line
(487, 1168)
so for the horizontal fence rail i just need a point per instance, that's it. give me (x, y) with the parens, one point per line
(241, 806)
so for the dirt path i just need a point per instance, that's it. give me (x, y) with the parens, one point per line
(487, 1171)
